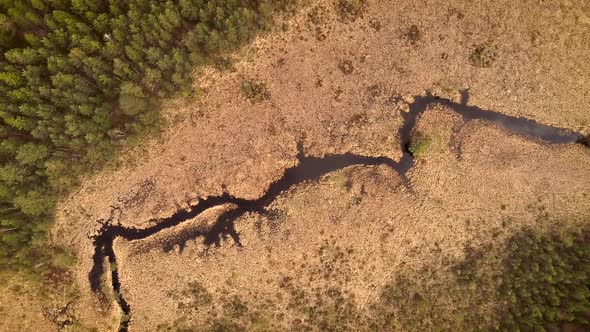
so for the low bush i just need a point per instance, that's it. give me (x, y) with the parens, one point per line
(350, 10)
(255, 90)
(422, 144)
(483, 55)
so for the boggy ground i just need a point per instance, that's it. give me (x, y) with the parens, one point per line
(322, 256)
(334, 82)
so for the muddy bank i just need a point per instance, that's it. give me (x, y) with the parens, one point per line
(307, 169)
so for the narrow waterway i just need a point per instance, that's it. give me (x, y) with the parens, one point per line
(307, 169)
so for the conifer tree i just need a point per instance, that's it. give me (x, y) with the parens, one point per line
(77, 77)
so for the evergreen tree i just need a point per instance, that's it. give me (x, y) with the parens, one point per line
(77, 76)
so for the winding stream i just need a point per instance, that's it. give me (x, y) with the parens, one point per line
(308, 169)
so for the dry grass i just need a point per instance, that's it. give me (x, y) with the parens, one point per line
(355, 230)
(222, 141)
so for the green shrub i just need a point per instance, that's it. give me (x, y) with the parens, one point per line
(413, 35)
(63, 259)
(346, 67)
(423, 144)
(483, 55)
(350, 9)
(255, 90)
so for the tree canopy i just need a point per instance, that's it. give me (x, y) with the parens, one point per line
(79, 76)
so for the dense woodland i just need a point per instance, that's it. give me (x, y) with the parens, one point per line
(535, 281)
(546, 281)
(78, 78)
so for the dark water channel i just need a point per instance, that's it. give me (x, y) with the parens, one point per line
(308, 169)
